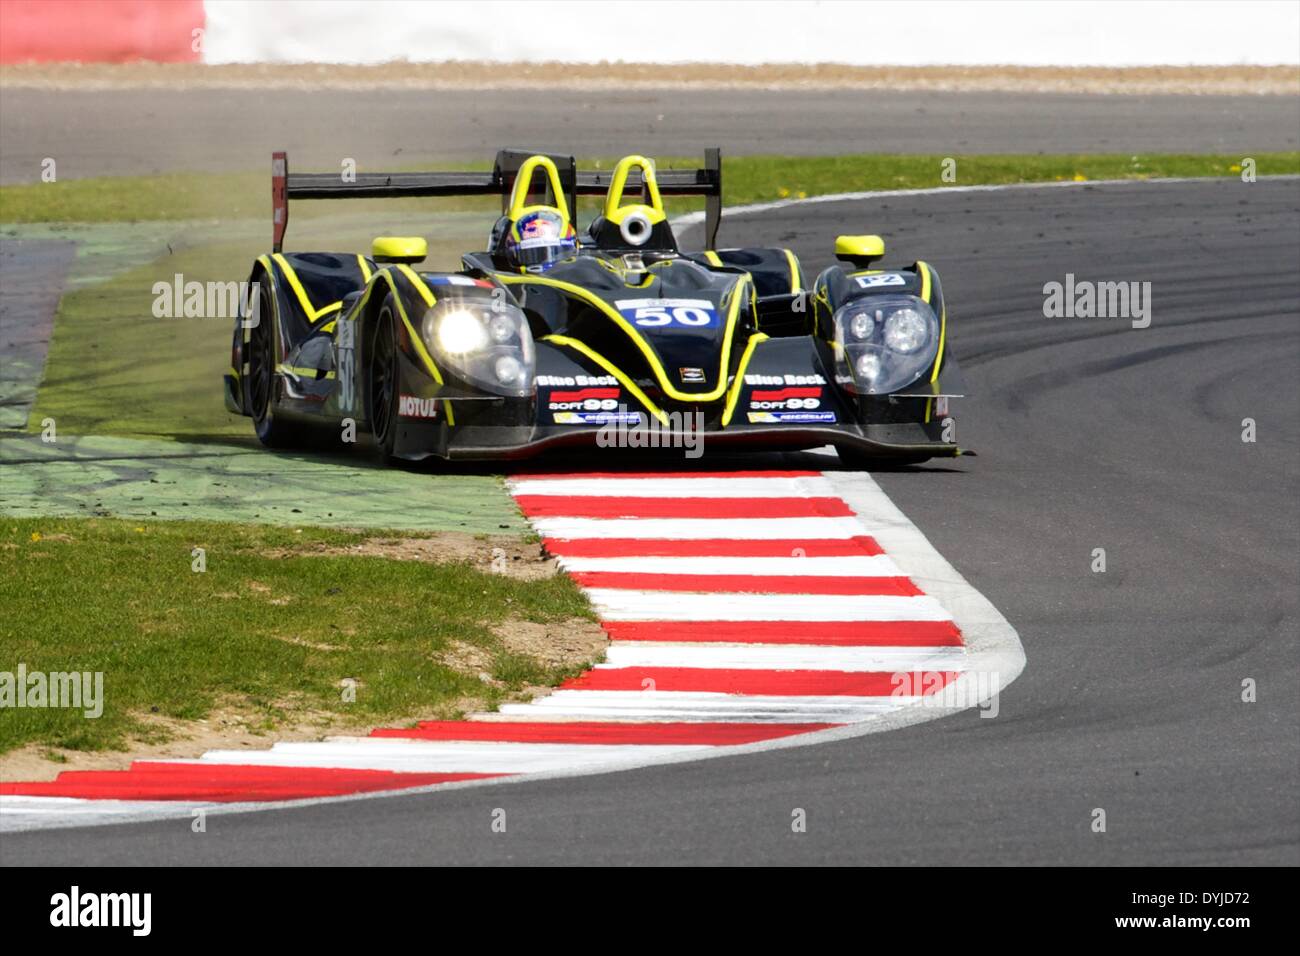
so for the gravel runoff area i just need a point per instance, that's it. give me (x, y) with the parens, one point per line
(1216, 80)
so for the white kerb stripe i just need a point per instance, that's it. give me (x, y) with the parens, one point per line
(783, 657)
(739, 487)
(696, 705)
(616, 604)
(416, 756)
(688, 529)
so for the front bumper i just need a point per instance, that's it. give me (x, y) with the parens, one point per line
(487, 442)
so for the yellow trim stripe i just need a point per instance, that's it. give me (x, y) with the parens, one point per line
(612, 369)
(713, 257)
(312, 313)
(733, 313)
(943, 320)
(416, 341)
(299, 372)
(365, 268)
(420, 287)
(796, 280)
(734, 396)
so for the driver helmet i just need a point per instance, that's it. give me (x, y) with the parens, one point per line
(539, 238)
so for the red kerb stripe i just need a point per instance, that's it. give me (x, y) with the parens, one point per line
(616, 506)
(747, 583)
(712, 547)
(778, 683)
(835, 633)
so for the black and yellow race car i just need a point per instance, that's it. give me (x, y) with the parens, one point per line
(551, 338)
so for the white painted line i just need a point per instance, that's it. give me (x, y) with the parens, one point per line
(694, 529)
(617, 604)
(783, 657)
(738, 487)
(690, 219)
(857, 566)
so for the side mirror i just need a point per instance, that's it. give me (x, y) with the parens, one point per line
(861, 251)
(408, 249)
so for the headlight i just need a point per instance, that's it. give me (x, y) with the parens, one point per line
(884, 342)
(486, 342)
(906, 331)
(461, 332)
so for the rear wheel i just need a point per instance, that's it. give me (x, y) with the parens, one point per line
(260, 397)
(381, 391)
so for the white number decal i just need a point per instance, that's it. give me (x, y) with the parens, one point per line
(659, 313)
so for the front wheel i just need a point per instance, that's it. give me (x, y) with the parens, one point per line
(381, 392)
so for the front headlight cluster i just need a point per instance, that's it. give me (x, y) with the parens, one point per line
(884, 342)
(488, 343)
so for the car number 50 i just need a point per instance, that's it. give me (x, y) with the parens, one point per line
(687, 315)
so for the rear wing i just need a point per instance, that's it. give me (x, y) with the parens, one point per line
(706, 182)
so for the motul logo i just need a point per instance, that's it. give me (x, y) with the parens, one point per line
(408, 406)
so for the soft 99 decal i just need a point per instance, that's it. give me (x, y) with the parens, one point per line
(669, 313)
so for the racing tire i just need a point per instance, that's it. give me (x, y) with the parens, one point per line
(259, 396)
(381, 379)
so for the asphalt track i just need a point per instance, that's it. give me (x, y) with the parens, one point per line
(1091, 434)
(138, 132)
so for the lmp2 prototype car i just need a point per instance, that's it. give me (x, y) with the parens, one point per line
(549, 338)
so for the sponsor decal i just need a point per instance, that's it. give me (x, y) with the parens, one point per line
(807, 397)
(597, 418)
(868, 282)
(784, 380)
(669, 313)
(777, 418)
(584, 400)
(691, 376)
(569, 381)
(409, 406)
(458, 280)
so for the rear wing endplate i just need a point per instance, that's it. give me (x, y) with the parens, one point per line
(285, 186)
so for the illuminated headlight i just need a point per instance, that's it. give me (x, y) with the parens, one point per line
(884, 342)
(485, 342)
(461, 332)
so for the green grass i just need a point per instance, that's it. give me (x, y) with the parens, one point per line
(746, 179)
(272, 637)
(113, 368)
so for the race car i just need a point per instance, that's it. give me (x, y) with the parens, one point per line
(552, 338)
